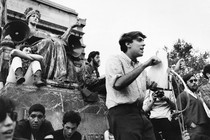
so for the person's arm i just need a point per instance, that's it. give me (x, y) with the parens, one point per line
(36, 57)
(20, 54)
(128, 78)
(170, 103)
(148, 101)
(179, 65)
(67, 33)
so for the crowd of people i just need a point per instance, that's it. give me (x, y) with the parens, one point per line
(137, 108)
(158, 114)
(35, 127)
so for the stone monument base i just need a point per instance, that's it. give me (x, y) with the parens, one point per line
(57, 101)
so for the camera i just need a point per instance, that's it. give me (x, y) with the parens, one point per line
(159, 93)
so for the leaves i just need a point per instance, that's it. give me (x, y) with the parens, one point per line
(194, 60)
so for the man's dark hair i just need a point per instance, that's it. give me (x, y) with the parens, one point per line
(72, 116)
(92, 55)
(128, 38)
(37, 107)
(186, 77)
(6, 106)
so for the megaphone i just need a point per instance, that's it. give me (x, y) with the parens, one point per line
(75, 46)
(18, 31)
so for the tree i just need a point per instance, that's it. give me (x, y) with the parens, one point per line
(194, 60)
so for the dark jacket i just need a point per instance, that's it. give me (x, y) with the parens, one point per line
(58, 135)
(23, 130)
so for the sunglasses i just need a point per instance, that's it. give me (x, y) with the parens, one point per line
(193, 80)
(33, 116)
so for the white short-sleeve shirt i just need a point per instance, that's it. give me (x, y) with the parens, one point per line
(117, 66)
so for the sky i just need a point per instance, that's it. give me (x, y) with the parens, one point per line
(162, 21)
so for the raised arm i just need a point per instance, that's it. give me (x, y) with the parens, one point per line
(66, 34)
(128, 78)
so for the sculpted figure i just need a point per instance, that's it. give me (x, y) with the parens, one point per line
(56, 64)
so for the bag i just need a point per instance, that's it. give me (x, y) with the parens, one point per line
(89, 96)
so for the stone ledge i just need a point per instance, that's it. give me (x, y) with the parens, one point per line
(56, 102)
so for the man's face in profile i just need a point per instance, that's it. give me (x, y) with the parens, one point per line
(96, 60)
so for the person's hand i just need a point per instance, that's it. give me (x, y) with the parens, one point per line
(154, 60)
(164, 98)
(102, 77)
(180, 64)
(153, 86)
(77, 24)
(185, 135)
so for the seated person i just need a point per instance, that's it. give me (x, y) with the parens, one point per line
(89, 75)
(51, 47)
(6, 46)
(25, 67)
(36, 127)
(71, 121)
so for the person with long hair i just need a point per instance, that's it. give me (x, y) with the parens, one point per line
(8, 118)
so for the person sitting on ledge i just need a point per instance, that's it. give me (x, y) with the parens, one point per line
(25, 67)
(36, 127)
(71, 121)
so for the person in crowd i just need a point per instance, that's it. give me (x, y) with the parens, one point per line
(6, 46)
(205, 89)
(195, 117)
(25, 67)
(126, 85)
(51, 47)
(89, 75)
(71, 121)
(36, 127)
(8, 118)
(160, 104)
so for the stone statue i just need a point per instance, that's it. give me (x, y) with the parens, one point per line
(56, 64)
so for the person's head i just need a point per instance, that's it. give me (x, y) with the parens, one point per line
(71, 121)
(26, 49)
(94, 57)
(206, 71)
(32, 16)
(36, 116)
(191, 80)
(7, 118)
(133, 42)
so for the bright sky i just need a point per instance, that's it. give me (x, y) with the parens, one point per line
(162, 21)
